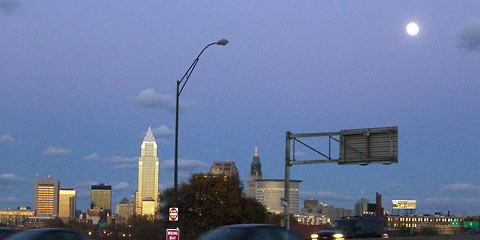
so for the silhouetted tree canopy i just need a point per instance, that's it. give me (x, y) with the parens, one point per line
(208, 201)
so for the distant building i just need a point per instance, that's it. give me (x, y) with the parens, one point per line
(125, 209)
(46, 197)
(255, 174)
(329, 212)
(361, 207)
(147, 177)
(15, 218)
(67, 204)
(227, 168)
(271, 191)
(441, 224)
(101, 197)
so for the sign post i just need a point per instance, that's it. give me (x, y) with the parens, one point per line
(173, 214)
(173, 234)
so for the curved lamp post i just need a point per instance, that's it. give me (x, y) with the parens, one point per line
(184, 79)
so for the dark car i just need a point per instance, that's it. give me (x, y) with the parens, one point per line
(48, 234)
(5, 232)
(474, 231)
(249, 232)
(354, 227)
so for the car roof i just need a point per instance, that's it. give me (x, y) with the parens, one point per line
(49, 229)
(249, 226)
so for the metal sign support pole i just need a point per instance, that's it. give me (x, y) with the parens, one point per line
(286, 211)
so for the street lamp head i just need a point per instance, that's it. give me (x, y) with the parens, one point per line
(222, 42)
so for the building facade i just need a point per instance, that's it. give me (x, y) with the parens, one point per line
(226, 168)
(361, 207)
(15, 218)
(255, 174)
(147, 177)
(271, 191)
(314, 208)
(416, 223)
(46, 197)
(67, 204)
(101, 197)
(125, 209)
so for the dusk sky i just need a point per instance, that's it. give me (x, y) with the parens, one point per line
(81, 82)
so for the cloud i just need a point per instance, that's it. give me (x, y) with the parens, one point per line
(12, 199)
(462, 188)
(326, 196)
(163, 132)
(8, 6)
(86, 184)
(149, 98)
(120, 186)
(6, 138)
(118, 161)
(8, 180)
(184, 165)
(53, 151)
(469, 36)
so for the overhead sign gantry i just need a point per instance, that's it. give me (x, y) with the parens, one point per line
(356, 146)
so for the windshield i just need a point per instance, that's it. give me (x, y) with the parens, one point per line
(343, 225)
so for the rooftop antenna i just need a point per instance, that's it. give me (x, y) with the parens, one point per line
(49, 177)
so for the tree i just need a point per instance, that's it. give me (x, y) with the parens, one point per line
(208, 201)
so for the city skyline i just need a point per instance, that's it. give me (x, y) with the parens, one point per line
(81, 82)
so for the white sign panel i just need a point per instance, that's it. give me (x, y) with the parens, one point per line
(173, 214)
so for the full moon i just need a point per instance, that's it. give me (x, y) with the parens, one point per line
(412, 29)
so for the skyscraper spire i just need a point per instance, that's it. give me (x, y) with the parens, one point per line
(256, 166)
(255, 174)
(149, 136)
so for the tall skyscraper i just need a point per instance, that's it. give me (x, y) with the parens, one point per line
(46, 197)
(147, 199)
(255, 174)
(101, 197)
(227, 168)
(67, 204)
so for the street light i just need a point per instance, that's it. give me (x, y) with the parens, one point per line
(185, 77)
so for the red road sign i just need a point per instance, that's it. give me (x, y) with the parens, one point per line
(173, 214)
(173, 234)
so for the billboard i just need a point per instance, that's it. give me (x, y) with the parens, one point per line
(369, 145)
(404, 204)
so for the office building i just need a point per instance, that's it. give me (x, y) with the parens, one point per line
(361, 207)
(270, 192)
(147, 177)
(255, 174)
(101, 197)
(125, 209)
(226, 168)
(321, 209)
(67, 204)
(46, 197)
(15, 218)
(416, 223)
